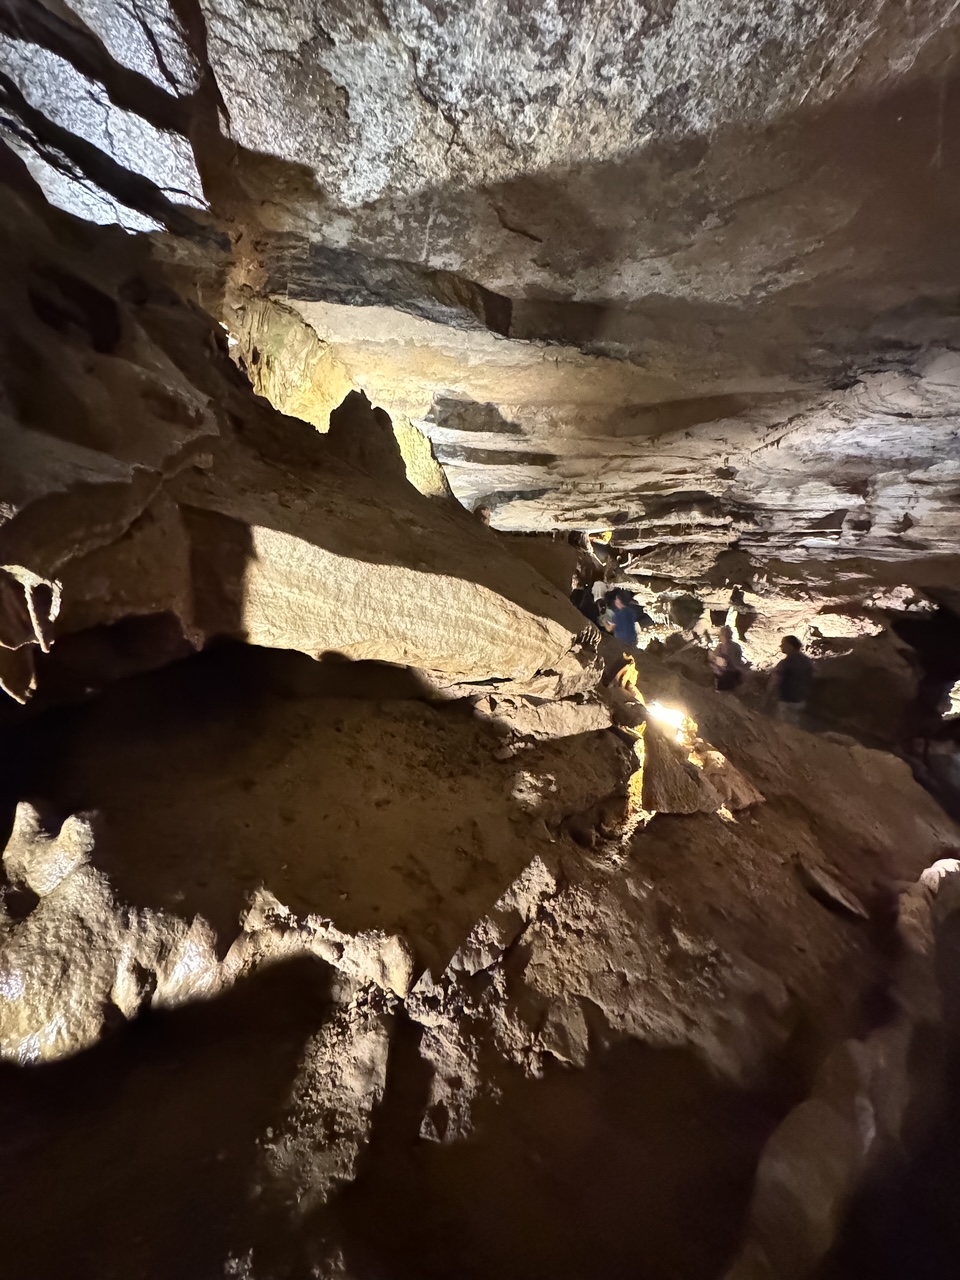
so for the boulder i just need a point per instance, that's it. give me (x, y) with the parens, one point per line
(540, 719)
(78, 959)
(671, 783)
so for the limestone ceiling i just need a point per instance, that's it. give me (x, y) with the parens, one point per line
(686, 267)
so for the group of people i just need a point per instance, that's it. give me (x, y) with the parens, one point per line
(789, 682)
(617, 611)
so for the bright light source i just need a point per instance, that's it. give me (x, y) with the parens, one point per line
(672, 716)
(675, 718)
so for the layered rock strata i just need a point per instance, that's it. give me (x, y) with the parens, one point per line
(143, 479)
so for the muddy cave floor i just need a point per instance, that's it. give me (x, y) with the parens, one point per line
(142, 1155)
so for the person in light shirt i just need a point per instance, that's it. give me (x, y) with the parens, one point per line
(727, 662)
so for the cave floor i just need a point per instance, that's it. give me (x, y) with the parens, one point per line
(146, 1156)
(390, 813)
(141, 1158)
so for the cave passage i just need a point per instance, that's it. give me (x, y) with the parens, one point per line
(479, 640)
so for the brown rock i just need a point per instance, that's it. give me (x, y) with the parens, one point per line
(671, 784)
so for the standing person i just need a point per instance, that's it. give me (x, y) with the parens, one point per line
(583, 598)
(727, 662)
(791, 681)
(625, 617)
(744, 616)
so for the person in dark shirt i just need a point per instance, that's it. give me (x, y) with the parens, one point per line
(791, 681)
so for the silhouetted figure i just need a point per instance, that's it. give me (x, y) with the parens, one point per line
(791, 681)
(727, 662)
(483, 514)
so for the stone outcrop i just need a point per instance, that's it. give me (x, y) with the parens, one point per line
(78, 956)
(144, 479)
(301, 376)
(856, 1115)
(680, 273)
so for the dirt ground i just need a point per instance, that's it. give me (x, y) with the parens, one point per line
(390, 814)
(604, 1080)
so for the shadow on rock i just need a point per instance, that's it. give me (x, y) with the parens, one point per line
(906, 1219)
(139, 1157)
(580, 1175)
(392, 815)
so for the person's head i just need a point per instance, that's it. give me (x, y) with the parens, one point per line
(726, 633)
(790, 644)
(619, 602)
(483, 514)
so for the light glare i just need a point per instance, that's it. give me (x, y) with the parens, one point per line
(672, 716)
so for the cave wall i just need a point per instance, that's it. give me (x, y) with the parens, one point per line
(144, 479)
(686, 270)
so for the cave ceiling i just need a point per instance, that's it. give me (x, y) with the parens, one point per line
(690, 270)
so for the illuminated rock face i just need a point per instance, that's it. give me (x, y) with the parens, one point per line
(144, 480)
(667, 267)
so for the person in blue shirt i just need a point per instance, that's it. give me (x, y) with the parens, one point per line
(625, 618)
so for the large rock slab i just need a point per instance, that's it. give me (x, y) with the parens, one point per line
(143, 479)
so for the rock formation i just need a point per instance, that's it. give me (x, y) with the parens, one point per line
(495, 945)
(545, 235)
(365, 910)
(144, 479)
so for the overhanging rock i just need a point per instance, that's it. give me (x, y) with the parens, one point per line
(149, 480)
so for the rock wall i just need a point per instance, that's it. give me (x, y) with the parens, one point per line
(143, 478)
(857, 1114)
(666, 268)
